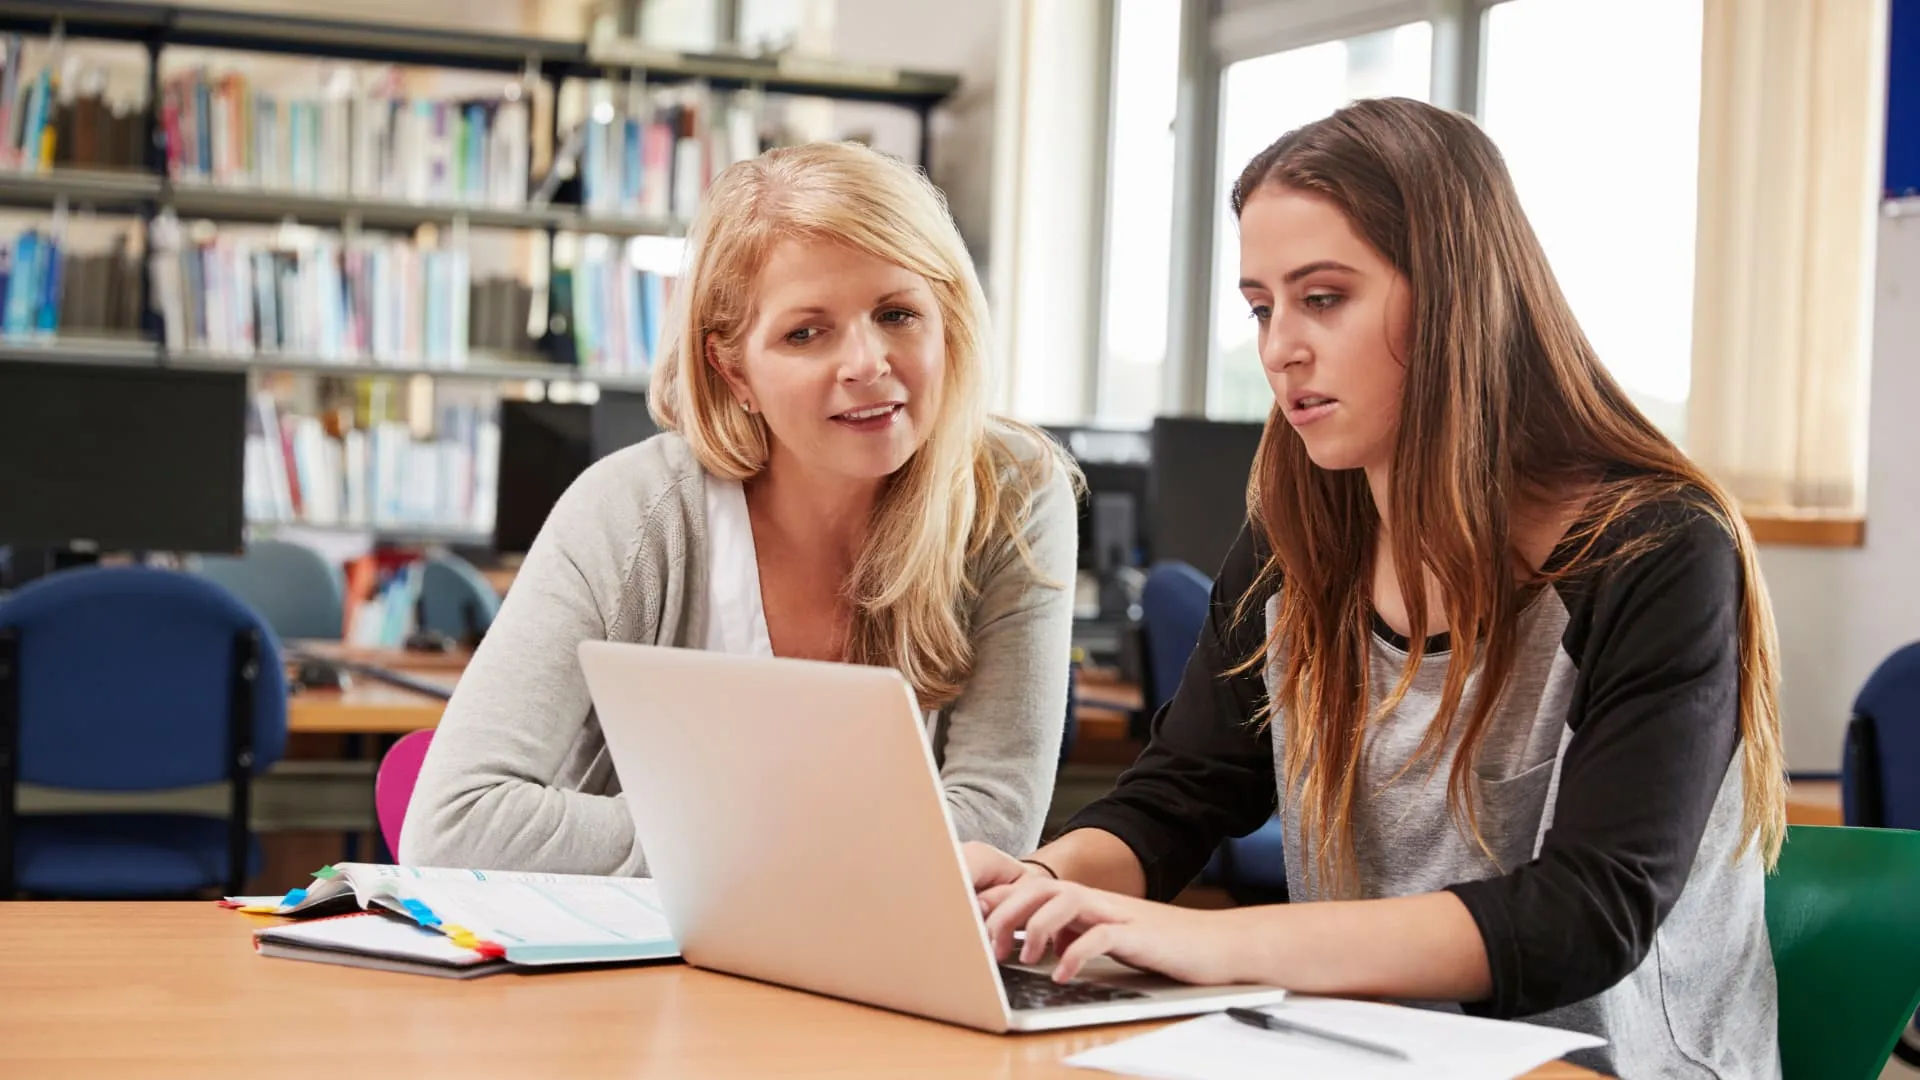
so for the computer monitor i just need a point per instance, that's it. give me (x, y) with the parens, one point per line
(620, 419)
(1113, 509)
(122, 458)
(1197, 488)
(546, 445)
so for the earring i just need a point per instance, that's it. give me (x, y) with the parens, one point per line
(746, 407)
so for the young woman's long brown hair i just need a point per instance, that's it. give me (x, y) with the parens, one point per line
(1505, 404)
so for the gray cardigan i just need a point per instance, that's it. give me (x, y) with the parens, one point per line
(518, 776)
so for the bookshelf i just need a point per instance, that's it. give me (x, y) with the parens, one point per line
(157, 26)
(161, 194)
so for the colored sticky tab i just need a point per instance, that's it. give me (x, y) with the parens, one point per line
(294, 896)
(325, 872)
(258, 909)
(466, 939)
(421, 913)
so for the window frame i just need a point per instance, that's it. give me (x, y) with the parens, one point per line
(1218, 33)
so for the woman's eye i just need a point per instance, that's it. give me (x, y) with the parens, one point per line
(802, 335)
(897, 317)
(1322, 301)
(1261, 313)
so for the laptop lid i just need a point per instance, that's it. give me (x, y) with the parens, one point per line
(791, 812)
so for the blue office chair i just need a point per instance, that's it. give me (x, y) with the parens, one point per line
(292, 586)
(1880, 766)
(456, 599)
(1173, 611)
(133, 679)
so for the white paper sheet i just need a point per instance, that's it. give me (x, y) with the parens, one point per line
(1441, 1046)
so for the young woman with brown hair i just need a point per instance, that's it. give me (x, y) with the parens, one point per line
(1499, 653)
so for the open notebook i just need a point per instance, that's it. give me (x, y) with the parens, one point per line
(454, 921)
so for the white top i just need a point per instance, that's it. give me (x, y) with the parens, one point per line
(736, 618)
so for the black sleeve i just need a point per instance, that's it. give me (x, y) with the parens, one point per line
(1207, 771)
(1655, 722)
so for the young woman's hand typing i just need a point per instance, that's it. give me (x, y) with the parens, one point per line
(1081, 923)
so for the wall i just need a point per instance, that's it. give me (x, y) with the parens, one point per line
(962, 38)
(1841, 611)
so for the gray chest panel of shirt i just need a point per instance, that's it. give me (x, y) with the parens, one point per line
(1406, 838)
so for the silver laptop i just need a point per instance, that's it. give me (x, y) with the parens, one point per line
(792, 815)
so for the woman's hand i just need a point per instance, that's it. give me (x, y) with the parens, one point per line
(1080, 923)
(989, 867)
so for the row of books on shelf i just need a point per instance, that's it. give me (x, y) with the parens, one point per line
(615, 313)
(46, 288)
(654, 155)
(376, 475)
(368, 140)
(311, 293)
(360, 131)
(371, 299)
(43, 124)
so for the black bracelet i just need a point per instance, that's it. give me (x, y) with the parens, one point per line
(1043, 866)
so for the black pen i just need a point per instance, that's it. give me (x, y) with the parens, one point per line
(1254, 1018)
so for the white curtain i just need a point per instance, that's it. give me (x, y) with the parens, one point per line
(1792, 107)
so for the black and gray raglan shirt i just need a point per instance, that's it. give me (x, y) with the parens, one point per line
(1610, 794)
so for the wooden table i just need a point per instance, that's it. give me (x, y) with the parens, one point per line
(412, 662)
(1814, 802)
(175, 990)
(368, 706)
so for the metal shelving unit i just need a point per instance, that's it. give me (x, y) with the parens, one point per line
(481, 367)
(394, 533)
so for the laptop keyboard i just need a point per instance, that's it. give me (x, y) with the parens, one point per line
(1035, 990)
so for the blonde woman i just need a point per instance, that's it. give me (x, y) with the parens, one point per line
(829, 486)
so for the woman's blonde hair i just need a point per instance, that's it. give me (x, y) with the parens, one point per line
(965, 490)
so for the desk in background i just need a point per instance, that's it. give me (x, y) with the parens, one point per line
(500, 577)
(413, 662)
(175, 990)
(1814, 802)
(370, 707)
(366, 708)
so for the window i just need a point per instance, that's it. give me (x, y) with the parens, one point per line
(1262, 99)
(1133, 338)
(1606, 168)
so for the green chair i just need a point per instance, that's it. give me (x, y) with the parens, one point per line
(1843, 914)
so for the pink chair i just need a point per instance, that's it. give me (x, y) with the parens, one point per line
(393, 784)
